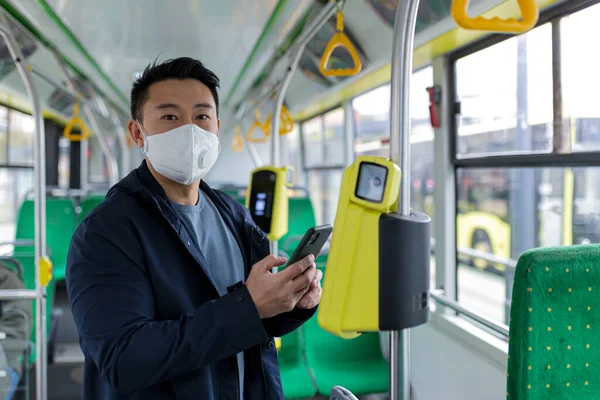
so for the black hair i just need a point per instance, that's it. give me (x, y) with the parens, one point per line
(178, 68)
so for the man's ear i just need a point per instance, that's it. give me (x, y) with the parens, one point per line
(218, 126)
(136, 133)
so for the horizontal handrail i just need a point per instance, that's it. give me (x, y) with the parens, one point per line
(510, 263)
(447, 302)
(507, 262)
(17, 294)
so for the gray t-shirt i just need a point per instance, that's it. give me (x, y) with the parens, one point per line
(211, 234)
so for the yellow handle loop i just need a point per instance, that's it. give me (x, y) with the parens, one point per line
(45, 271)
(257, 125)
(286, 125)
(529, 11)
(340, 39)
(76, 137)
(237, 144)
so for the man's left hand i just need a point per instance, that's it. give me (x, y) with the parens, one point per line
(313, 296)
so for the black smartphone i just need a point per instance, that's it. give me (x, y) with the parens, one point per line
(312, 243)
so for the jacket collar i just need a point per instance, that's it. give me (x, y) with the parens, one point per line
(142, 183)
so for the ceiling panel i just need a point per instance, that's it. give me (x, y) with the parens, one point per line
(124, 36)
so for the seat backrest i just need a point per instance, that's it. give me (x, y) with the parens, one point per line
(301, 218)
(60, 226)
(554, 344)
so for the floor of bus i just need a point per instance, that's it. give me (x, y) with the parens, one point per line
(66, 374)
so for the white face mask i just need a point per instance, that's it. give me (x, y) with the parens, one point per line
(183, 154)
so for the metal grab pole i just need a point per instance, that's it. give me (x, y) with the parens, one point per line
(101, 105)
(303, 40)
(39, 150)
(113, 168)
(402, 63)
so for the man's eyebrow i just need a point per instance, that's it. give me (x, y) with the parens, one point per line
(167, 105)
(173, 105)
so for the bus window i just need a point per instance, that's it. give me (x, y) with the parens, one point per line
(560, 206)
(21, 130)
(492, 100)
(580, 80)
(372, 114)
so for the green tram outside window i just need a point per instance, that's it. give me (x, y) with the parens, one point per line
(519, 128)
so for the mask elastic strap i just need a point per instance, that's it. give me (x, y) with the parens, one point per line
(144, 148)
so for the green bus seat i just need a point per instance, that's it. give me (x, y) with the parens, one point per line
(296, 378)
(355, 364)
(88, 204)
(60, 226)
(301, 218)
(554, 345)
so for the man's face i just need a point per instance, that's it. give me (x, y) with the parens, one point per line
(173, 103)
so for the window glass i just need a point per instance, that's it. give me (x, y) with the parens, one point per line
(21, 128)
(15, 183)
(312, 132)
(334, 150)
(3, 135)
(580, 78)
(506, 97)
(324, 188)
(291, 149)
(508, 211)
(372, 119)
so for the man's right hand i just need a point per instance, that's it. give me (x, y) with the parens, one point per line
(274, 294)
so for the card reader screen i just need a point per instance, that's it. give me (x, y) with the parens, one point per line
(262, 198)
(371, 182)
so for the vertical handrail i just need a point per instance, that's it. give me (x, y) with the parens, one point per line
(402, 63)
(113, 168)
(39, 166)
(123, 169)
(125, 155)
(308, 33)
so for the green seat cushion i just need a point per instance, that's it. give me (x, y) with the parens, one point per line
(296, 381)
(355, 364)
(554, 346)
(296, 378)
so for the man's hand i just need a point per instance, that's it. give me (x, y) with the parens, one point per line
(274, 294)
(313, 296)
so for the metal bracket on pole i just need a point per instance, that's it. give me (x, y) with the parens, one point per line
(113, 168)
(402, 64)
(39, 150)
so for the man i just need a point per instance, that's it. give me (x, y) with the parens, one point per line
(169, 281)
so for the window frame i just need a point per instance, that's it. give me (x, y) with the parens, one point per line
(555, 158)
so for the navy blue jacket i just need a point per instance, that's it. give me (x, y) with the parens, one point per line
(151, 323)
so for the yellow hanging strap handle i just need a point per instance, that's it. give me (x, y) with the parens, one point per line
(340, 39)
(237, 144)
(257, 125)
(76, 137)
(286, 125)
(529, 11)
